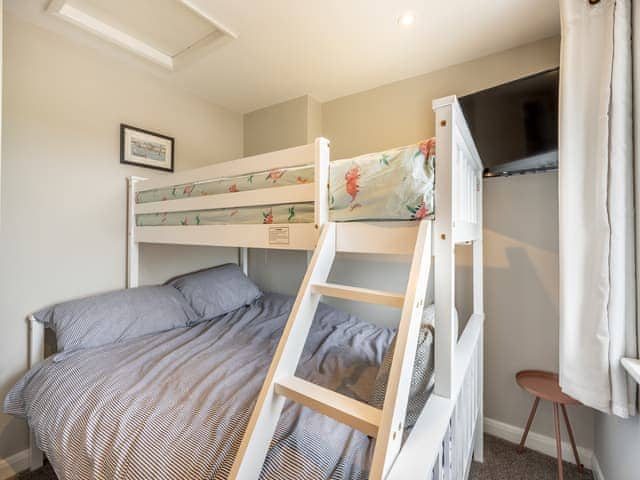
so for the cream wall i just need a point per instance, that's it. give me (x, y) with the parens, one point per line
(521, 230)
(63, 188)
(295, 122)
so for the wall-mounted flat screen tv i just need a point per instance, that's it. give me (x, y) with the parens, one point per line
(515, 125)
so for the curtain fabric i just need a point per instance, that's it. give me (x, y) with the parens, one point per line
(597, 186)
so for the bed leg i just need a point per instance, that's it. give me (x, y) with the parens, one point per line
(36, 458)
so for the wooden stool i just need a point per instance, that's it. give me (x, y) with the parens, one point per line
(544, 385)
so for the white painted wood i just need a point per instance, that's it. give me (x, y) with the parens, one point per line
(36, 355)
(264, 418)
(301, 236)
(133, 251)
(478, 309)
(632, 366)
(397, 392)
(263, 196)
(466, 232)
(321, 181)
(444, 251)
(384, 238)
(243, 260)
(598, 474)
(290, 157)
(358, 415)
(36, 341)
(357, 294)
(423, 446)
(14, 464)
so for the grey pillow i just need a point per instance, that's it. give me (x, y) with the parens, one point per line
(217, 290)
(116, 316)
(422, 380)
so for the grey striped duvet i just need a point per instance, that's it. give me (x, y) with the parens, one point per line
(174, 405)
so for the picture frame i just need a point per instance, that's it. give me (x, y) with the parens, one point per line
(143, 148)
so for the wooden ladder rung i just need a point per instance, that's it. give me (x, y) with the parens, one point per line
(357, 294)
(354, 413)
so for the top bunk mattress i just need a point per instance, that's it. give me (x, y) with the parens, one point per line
(396, 184)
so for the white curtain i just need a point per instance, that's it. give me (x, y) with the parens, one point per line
(598, 182)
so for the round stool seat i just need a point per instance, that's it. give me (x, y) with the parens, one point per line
(544, 385)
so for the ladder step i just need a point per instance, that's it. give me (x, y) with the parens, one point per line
(356, 414)
(357, 294)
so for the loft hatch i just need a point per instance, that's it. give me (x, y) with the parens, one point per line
(166, 32)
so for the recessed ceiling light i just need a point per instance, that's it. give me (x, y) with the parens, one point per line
(406, 19)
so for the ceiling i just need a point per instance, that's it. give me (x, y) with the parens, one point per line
(325, 48)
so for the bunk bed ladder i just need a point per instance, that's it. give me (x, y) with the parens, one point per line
(385, 425)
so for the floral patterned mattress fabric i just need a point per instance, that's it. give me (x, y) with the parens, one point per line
(397, 184)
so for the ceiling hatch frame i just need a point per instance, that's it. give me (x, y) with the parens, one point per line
(76, 16)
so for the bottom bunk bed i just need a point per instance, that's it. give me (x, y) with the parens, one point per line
(175, 403)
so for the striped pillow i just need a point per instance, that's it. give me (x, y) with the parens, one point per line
(217, 291)
(116, 316)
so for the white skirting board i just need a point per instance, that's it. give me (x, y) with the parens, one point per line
(595, 468)
(14, 464)
(537, 442)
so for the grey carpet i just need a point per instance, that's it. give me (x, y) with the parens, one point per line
(501, 463)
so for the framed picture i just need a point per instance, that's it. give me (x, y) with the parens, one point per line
(146, 149)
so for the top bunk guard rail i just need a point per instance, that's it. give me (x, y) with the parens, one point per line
(302, 236)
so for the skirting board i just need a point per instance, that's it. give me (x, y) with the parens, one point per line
(14, 464)
(536, 441)
(595, 468)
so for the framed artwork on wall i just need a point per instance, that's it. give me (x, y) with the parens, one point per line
(146, 149)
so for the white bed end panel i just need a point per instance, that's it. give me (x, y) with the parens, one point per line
(442, 442)
(286, 236)
(36, 355)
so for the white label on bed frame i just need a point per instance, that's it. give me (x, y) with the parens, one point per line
(278, 235)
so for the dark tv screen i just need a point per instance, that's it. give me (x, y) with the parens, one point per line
(515, 125)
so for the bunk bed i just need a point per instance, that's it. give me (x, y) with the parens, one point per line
(208, 206)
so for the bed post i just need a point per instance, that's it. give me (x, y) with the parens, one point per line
(132, 245)
(243, 259)
(322, 157)
(36, 355)
(444, 249)
(478, 309)
(321, 178)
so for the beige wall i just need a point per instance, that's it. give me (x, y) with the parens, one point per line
(294, 122)
(521, 229)
(63, 189)
(276, 127)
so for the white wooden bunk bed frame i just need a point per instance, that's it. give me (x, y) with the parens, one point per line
(449, 430)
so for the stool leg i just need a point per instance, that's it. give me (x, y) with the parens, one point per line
(573, 442)
(556, 421)
(520, 448)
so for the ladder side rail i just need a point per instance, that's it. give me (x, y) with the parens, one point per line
(390, 435)
(444, 249)
(478, 309)
(264, 419)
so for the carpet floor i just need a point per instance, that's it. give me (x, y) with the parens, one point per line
(501, 463)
